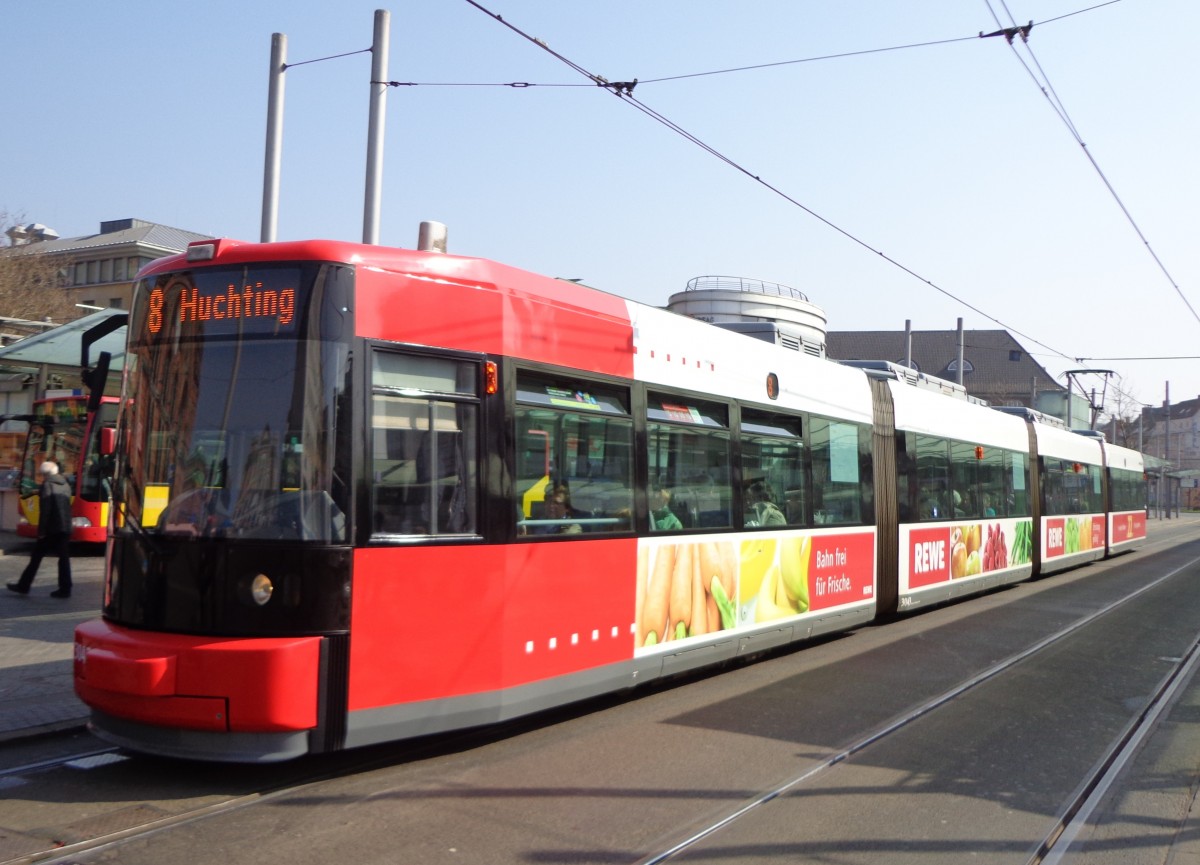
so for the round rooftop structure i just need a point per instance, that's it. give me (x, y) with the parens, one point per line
(743, 303)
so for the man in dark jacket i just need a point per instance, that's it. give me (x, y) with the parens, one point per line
(54, 533)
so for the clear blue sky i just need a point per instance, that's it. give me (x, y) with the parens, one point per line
(947, 158)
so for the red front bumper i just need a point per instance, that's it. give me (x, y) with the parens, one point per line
(198, 683)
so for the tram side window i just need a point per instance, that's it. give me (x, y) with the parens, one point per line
(1080, 483)
(992, 496)
(980, 481)
(843, 490)
(424, 462)
(987, 482)
(1095, 490)
(931, 456)
(1083, 483)
(1054, 495)
(966, 471)
(907, 487)
(574, 472)
(1016, 501)
(689, 456)
(584, 462)
(1128, 490)
(1070, 488)
(776, 493)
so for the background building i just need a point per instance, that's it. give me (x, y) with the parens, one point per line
(65, 285)
(996, 367)
(1172, 434)
(97, 270)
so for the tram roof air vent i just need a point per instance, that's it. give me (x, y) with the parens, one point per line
(432, 237)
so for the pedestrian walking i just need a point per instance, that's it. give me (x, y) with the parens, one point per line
(54, 533)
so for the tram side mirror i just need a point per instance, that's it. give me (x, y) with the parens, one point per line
(108, 441)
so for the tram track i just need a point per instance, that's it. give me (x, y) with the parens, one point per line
(63, 851)
(53, 763)
(1057, 845)
(298, 777)
(1075, 812)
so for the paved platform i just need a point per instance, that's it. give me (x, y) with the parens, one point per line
(37, 635)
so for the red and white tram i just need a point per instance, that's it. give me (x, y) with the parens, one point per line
(366, 493)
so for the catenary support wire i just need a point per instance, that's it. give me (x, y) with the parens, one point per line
(626, 93)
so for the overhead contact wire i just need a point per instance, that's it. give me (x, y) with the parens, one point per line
(839, 56)
(1043, 84)
(626, 94)
(624, 91)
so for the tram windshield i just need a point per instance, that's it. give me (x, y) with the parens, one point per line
(236, 380)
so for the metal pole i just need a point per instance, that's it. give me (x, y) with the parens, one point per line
(960, 351)
(1167, 423)
(270, 208)
(908, 342)
(1167, 449)
(379, 73)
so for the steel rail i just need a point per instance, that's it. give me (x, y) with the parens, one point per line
(916, 714)
(1059, 841)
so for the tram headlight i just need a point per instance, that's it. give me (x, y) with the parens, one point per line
(261, 589)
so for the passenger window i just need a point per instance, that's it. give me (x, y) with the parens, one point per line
(688, 443)
(574, 472)
(982, 481)
(843, 485)
(1096, 499)
(932, 458)
(1016, 486)
(774, 489)
(966, 497)
(1069, 487)
(993, 499)
(424, 463)
(1128, 490)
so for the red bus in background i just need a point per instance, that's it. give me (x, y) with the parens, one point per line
(62, 430)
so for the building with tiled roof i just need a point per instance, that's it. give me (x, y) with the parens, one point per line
(98, 269)
(996, 367)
